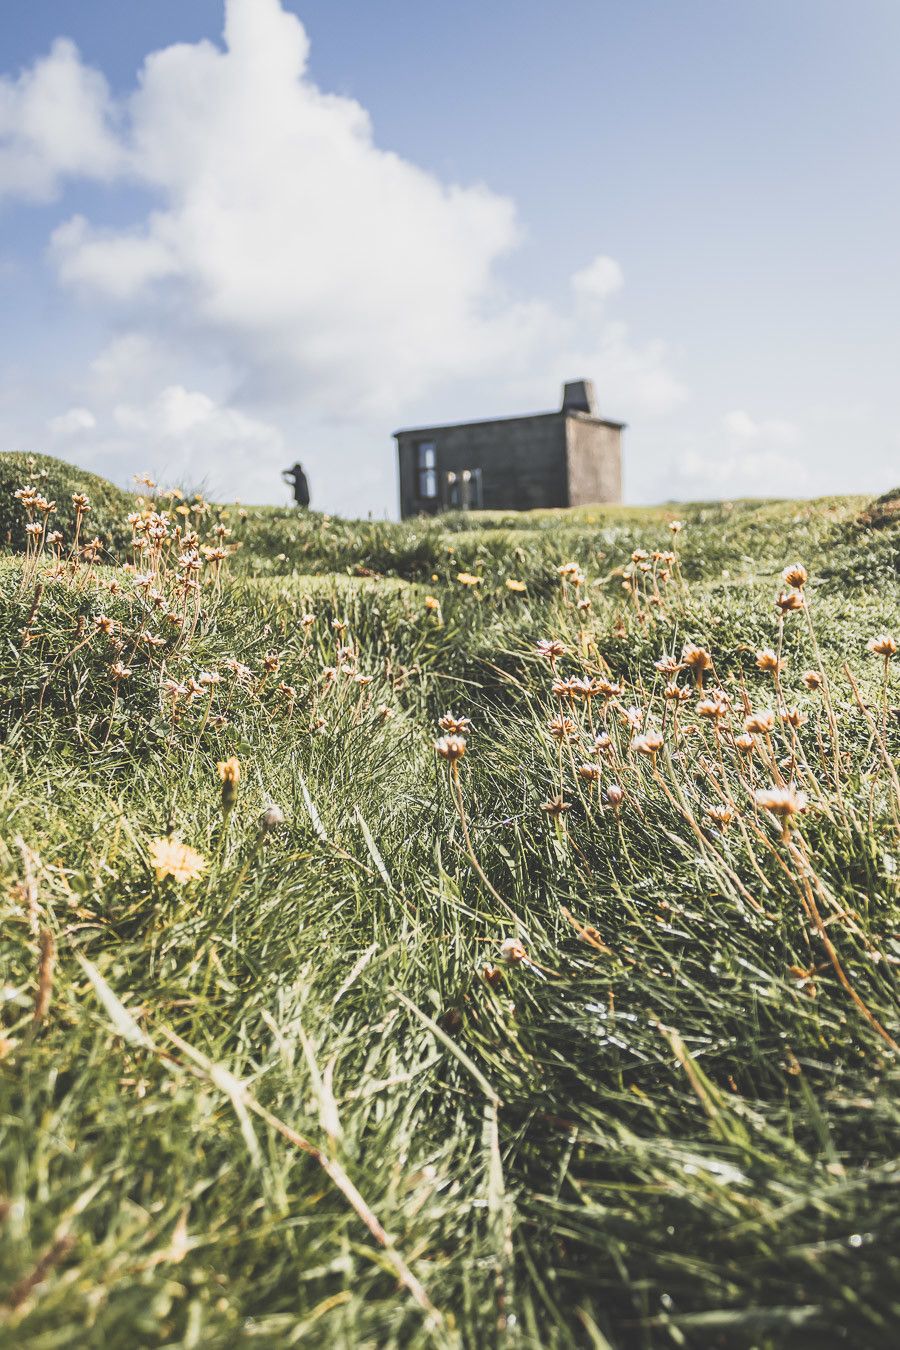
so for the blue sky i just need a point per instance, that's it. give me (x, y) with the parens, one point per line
(291, 241)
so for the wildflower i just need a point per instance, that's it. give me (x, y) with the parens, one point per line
(513, 585)
(602, 743)
(34, 529)
(512, 952)
(583, 605)
(794, 717)
(119, 671)
(551, 649)
(562, 689)
(673, 690)
(722, 816)
(615, 795)
(569, 569)
(385, 713)
(562, 728)
(715, 707)
(468, 579)
(491, 974)
(555, 807)
(171, 858)
(307, 621)
(649, 744)
(812, 679)
(697, 659)
(238, 669)
(795, 575)
(640, 555)
(783, 802)
(882, 645)
(214, 554)
(789, 601)
(584, 687)
(760, 722)
(633, 718)
(149, 639)
(608, 688)
(271, 663)
(676, 526)
(745, 743)
(451, 748)
(590, 772)
(455, 726)
(230, 774)
(667, 665)
(81, 502)
(339, 625)
(767, 660)
(432, 602)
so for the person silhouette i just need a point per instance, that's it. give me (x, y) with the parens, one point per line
(298, 482)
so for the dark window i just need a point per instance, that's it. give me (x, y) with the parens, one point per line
(426, 464)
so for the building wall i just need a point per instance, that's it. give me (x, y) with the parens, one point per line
(522, 462)
(594, 461)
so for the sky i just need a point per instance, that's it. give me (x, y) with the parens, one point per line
(237, 233)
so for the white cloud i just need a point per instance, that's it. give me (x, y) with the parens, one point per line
(599, 280)
(756, 473)
(742, 428)
(72, 422)
(744, 457)
(55, 122)
(179, 435)
(118, 265)
(295, 272)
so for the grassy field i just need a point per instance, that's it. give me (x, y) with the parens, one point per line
(572, 1021)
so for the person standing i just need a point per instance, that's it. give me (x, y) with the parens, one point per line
(298, 483)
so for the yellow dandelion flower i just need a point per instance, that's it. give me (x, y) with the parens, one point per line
(171, 858)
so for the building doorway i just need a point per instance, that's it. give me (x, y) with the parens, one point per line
(462, 490)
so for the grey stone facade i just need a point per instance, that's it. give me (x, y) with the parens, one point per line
(571, 457)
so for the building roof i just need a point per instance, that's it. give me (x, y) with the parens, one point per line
(516, 417)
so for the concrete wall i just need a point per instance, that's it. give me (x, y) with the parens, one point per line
(594, 460)
(522, 461)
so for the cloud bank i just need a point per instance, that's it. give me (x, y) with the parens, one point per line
(285, 283)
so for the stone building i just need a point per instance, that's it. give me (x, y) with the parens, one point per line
(572, 457)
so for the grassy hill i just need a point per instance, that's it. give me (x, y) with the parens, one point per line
(315, 1034)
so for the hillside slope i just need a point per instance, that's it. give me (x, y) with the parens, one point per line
(568, 1019)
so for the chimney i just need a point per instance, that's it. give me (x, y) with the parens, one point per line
(578, 396)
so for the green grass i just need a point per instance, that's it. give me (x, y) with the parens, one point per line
(680, 1132)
